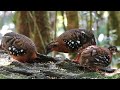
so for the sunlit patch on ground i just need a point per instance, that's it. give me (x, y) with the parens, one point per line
(4, 60)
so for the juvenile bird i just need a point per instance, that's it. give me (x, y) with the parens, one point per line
(96, 57)
(72, 41)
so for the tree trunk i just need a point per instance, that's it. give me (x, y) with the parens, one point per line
(114, 19)
(72, 23)
(72, 19)
(91, 21)
(22, 23)
(42, 30)
(34, 24)
(62, 14)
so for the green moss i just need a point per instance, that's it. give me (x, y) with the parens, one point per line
(2, 76)
(117, 76)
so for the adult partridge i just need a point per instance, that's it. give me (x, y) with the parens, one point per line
(22, 48)
(72, 41)
(19, 46)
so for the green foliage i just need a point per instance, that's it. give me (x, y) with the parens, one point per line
(14, 18)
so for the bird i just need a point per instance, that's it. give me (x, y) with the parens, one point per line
(21, 48)
(72, 41)
(95, 57)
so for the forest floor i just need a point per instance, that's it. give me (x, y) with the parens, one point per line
(64, 69)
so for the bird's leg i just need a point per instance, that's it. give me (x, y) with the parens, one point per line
(77, 59)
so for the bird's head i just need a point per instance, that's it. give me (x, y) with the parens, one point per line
(113, 49)
(53, 46)
(6, 40)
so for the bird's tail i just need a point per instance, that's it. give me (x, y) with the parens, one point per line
(44, 58)
(108, 70)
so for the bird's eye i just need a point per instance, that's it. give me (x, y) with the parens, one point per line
(54, 45)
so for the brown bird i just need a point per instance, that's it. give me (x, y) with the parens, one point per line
(96, 57)
(19, 46)
(72, 41)
(22, 48)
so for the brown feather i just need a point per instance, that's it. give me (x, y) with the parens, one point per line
(72, 40)
(20, 47)
(96, 57)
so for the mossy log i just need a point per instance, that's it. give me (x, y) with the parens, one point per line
(52, 68)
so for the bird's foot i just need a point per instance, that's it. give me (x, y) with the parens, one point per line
(75, 61)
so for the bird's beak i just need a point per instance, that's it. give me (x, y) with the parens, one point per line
(115, 52)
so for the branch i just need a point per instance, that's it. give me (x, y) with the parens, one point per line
(35, 23)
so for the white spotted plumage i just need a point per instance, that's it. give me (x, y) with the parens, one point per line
(13, 49)
(78, 42)
(21, 50)
(10, 52)
(72, 42)
(82, 32)
(9, 48)
(97, 59)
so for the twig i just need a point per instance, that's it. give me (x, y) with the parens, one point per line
(35, 23)
(62, 13)
(29, 26)
(55, 26)
(91, 21)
